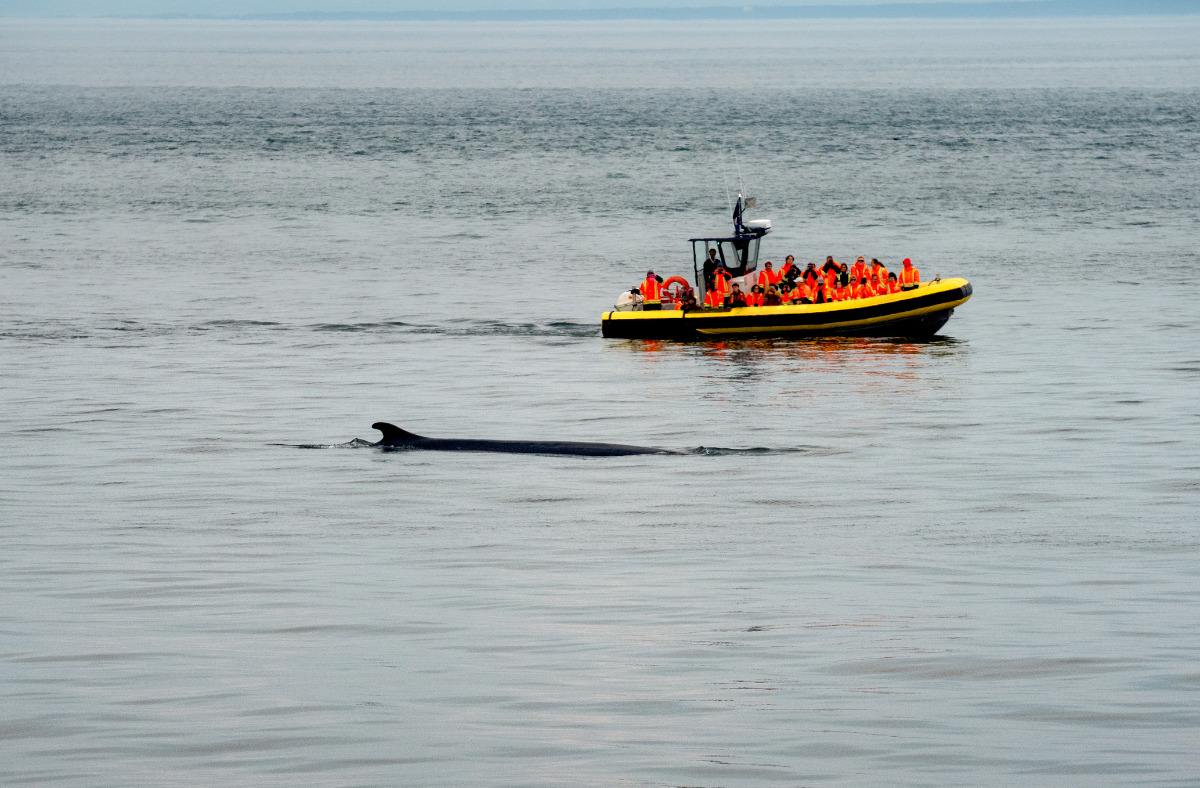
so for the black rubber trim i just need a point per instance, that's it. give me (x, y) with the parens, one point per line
(685, 327)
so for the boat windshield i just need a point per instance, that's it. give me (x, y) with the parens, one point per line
(738, 255)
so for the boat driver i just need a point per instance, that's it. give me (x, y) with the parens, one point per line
(710, 267)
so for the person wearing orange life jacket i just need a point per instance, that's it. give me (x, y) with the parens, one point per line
(768, 276)
(843, 291)
(830, 270)
(721, 281)
(859, 269)
(714, 300)
(878, 269)
(737, 298)
(803, 293)
(910, 277)
(789, 263)
(875, 287)
(651, 292)
(858, 288)
(893, 284)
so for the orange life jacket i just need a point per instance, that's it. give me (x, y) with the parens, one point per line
(856, 291)
(714, 299)
(651, 290)
(722, 282)
(766, 278)
(883, 273)
(893, 286)
(858, 270)
(910, 276)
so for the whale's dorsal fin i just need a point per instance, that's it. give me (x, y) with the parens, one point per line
(393, 434)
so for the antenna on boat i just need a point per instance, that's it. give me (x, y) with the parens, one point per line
(725, 177)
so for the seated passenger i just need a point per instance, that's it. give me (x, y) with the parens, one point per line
(737, 298)
(893, 284)
(772, 297)
(804, 290)
(754, 297)
(910, 277)
(688, 303)
(843, 291)
(877, 269)
(713, 299)
(858, 289)
(818, 296)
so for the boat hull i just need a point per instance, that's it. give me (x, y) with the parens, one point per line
(916, 313)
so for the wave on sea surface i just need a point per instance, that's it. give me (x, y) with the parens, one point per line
(55, 331)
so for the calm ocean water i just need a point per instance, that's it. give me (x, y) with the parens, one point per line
(968, 561)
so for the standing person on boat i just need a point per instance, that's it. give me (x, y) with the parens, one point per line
(789, 265)
(810, 273)
(710, 268)
(831, 266)
(651, 292)
(721, 281)
(843, 275)
(859, 269)
(910, 277)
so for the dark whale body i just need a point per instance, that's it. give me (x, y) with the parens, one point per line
(396, 438)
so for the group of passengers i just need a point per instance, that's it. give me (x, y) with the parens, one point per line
(789, 284)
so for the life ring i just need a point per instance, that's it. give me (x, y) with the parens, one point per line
(684, 288)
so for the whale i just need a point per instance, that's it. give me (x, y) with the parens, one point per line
(396, 438)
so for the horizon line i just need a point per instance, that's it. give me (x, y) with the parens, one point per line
(934, 9)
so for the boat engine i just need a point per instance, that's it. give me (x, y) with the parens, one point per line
(628, 302)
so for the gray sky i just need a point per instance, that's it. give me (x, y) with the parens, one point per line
(239, 8)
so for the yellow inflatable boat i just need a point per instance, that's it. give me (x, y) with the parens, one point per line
(915, 313)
